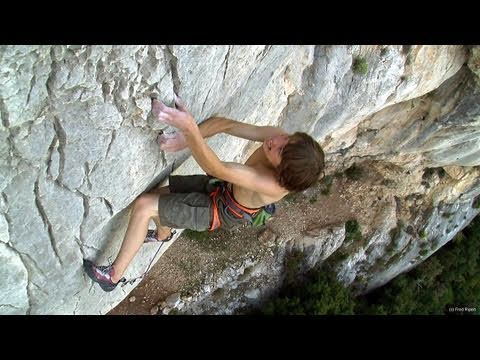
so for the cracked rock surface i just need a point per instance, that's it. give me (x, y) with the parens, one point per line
(77, 140)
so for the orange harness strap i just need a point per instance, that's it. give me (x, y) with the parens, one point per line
(240, 211)
(241, 207)
(216, 219)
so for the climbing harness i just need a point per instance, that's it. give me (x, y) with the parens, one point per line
(256, 217)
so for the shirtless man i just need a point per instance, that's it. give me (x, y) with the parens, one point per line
(284, 163)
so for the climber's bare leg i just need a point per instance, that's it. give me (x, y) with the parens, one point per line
(162, 231)
(144, 208)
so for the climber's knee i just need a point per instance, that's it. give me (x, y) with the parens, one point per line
(146, 205)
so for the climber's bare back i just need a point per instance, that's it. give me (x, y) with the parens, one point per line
(253, 199)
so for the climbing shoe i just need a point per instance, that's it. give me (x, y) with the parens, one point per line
(101, 275)
(152, 236)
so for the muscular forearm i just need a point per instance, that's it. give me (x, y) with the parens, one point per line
(202, 154)
(214, 125)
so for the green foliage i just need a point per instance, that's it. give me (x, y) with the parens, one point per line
(474, 61)
(321, 294)
(196, 235)
(312, 199)
(458, 238)
(293, 265)
(360, 66)
(476, 203)
(352, 231)
(423, 252)
(450, 279)
(339, 255)
(422, 233)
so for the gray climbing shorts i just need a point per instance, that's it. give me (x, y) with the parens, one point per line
(189, 206)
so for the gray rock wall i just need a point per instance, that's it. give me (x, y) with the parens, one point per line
(78, 145)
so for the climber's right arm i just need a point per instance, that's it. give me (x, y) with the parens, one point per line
(215, 125)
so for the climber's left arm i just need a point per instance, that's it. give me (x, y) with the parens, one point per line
(183, 120)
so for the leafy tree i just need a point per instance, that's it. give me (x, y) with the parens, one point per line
(320, 294)
(450, 278)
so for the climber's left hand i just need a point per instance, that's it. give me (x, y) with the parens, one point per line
(179, 117)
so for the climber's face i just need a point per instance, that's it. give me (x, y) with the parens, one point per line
(273, 147)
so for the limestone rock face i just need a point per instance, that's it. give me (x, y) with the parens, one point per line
(77, 142)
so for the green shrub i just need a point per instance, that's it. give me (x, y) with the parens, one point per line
(450, 278)
(320, 294)
(352, 231)
(423, 252)
(293, 265)
(196, 235)
(476, 203)
(360, 66)
(422, 233)
(474, 61)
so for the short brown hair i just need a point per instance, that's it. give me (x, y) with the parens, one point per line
(302, 162)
